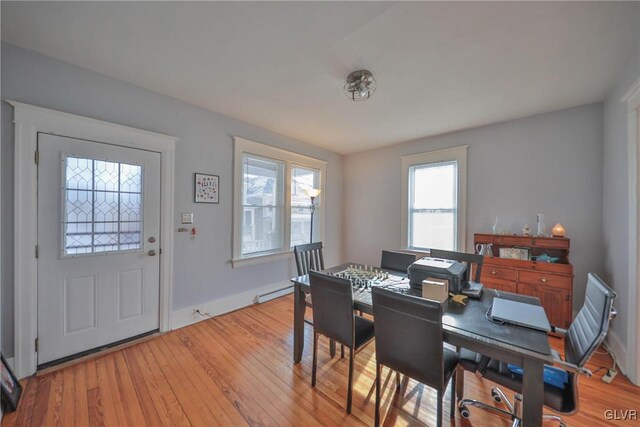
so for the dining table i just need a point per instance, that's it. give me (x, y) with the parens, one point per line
(464, 326)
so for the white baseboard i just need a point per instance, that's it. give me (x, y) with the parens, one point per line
(619, 350)
(184, 317)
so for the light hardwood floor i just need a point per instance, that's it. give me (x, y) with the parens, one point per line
(237, 369)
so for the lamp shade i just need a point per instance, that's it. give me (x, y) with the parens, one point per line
(558, 230)
(312, 192)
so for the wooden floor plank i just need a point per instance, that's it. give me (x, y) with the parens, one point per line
(155, 415)
(219, 406)
(237, 369)
(113, 412)
(261, 352)
(128, 395)
(94, 407)
(68, 416)
(54, 406)
(80, 397)
(244, 400)
(192, 403)
(162, 394)
(41, 402)
(285, 398)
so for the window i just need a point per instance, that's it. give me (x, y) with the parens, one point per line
(434, 187)
(271, 208)
(262, 202)
(302, 179)
(103, 206)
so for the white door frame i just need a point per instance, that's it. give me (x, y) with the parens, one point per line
(632, 98)
(29, 120)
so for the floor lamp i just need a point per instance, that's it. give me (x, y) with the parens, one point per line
(312, 193)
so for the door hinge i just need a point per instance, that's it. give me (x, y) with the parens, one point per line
(160, 251)
(37, 157)
(37, 251)
(36, 345)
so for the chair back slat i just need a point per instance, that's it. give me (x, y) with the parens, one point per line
(333, 314)
(308, 257)
(398, 261)
(589, 328)
(409, 335)
(472, 260)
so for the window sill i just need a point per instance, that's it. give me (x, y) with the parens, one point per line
(261, 259)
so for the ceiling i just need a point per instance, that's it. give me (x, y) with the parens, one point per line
(440, 67)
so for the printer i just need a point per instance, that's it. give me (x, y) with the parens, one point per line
(436, 269)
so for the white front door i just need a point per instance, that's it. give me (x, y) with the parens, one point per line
(98, 244)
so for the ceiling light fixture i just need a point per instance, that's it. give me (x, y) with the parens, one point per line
(360, 85)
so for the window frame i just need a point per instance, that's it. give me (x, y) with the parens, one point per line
(457, 154)
(290, 159)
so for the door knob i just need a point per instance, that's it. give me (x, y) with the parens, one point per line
(152, 252)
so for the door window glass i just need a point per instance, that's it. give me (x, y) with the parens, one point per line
(102, 206)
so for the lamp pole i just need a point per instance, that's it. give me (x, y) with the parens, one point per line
(312, 193)
(313, 209)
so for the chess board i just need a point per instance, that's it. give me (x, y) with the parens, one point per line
(364, 277)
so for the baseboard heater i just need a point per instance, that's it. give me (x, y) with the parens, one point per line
(274, 294)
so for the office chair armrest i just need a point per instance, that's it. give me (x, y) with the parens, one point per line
(570, 366)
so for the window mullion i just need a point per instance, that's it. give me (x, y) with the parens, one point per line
(286, 235)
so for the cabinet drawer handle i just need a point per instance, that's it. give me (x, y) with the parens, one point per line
(543, 279)
(494, 272)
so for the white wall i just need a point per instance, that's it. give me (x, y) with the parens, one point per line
(549, 163)
(617, 178)
(202, 271)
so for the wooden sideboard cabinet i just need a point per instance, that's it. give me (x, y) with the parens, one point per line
(551, 282)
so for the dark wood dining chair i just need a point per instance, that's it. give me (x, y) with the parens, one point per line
(309, 257)
(469, 361)
(334, 317)
(409, 341)
(396, 261)
(473, 261)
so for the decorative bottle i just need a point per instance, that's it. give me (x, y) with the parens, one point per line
(497, 228)
(542, 228)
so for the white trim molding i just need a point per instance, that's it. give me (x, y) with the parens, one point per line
(619, 351)
(186, 316)
(458, 154)
(632, 99)
(29, 120)
(244, 146)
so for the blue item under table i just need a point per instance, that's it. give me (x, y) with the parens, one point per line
(552, 376)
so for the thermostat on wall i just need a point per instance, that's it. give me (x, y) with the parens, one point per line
(187, 218)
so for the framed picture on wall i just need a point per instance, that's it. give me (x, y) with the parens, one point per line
(207, 188)
(10, 388)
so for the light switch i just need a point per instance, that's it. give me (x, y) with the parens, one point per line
(187, 218)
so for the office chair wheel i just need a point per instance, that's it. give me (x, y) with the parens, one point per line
(464, 412)
(496, 396)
